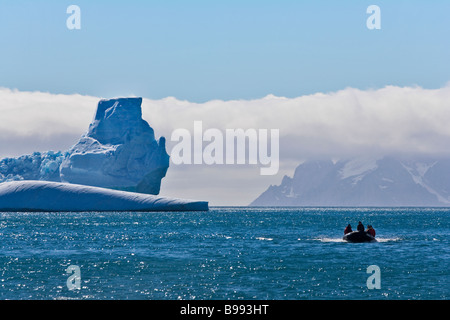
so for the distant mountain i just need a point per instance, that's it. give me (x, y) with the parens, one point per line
(363, 182)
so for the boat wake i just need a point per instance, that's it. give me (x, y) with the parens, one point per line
(330, 239)
(327, 239)
(388, 239)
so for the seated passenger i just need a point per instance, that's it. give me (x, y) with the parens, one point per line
(360, 227)
(348, 229)
(371, 230)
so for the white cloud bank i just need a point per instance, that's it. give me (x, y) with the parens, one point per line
(347, 122)
(410, 120)
(39, 121)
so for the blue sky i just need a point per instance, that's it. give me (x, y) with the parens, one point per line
(205, 50)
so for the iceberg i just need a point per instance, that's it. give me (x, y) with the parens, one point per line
(117, 165)
(47, 196)
(119, 151)
(37, 166)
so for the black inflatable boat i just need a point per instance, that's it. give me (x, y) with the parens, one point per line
(359, 236)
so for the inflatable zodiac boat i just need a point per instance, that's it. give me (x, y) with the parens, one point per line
(359, 236)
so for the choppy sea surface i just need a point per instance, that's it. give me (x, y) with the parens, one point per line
(225, 253)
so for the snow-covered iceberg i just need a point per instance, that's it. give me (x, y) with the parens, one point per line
(117, 165)
(119, 151)
(36, 166)
(57, 196)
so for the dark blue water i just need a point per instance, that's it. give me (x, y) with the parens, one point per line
(226, 253)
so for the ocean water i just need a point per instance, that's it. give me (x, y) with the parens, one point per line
(226, 253)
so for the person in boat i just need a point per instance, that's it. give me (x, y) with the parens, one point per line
(348, 229)
(370, 230)
(360, 227)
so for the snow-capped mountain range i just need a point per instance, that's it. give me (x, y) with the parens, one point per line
(385, 181)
